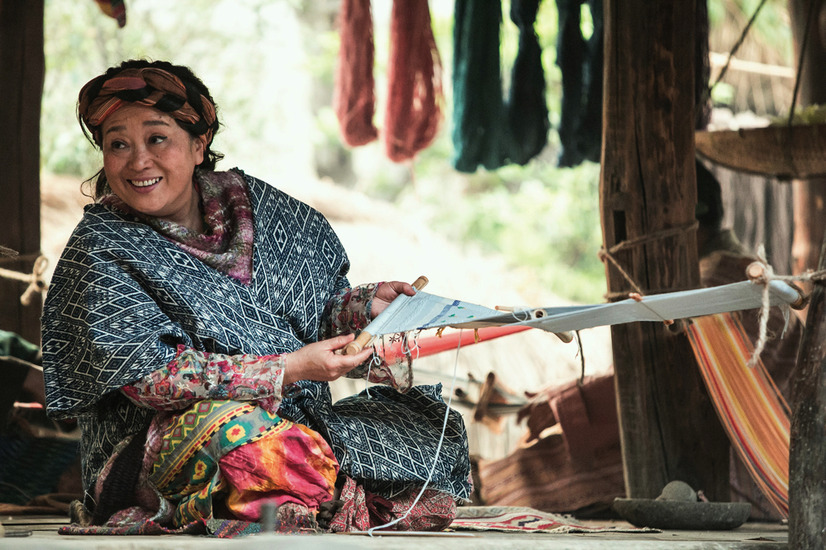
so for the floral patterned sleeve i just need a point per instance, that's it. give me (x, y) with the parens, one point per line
(349, 312)
(195, 376)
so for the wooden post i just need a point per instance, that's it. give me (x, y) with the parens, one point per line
(809, 196)
(807, 453)
(22, 68)
(669, 429)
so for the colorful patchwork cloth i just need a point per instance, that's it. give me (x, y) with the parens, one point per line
(274, 460)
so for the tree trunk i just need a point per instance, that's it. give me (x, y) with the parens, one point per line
(22, 67)
(669, 429)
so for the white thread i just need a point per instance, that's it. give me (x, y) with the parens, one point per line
(786, 314)
(374, 360)
(526, 312)
(415, 347)
(438, 447)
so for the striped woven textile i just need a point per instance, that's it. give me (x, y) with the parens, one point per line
(753, 412)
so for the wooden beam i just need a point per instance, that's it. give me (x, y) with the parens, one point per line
(22, 67)
(669, 429)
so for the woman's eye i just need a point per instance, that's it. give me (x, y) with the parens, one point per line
(154, 140)
(117, 145)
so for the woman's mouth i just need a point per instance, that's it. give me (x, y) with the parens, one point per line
(144, 183)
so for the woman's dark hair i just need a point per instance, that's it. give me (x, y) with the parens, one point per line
(195, 88)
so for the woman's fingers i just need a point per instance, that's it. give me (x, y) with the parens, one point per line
(387, 292)
(322, 361)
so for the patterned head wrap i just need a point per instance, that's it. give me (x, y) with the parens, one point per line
(151, 87)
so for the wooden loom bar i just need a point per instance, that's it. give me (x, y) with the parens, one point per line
(364, 336)
(669, 429)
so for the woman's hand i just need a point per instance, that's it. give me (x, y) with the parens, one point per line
(319, 361)
(386, 293)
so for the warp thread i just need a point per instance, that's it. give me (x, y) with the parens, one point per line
(35, 279)
(438, 450)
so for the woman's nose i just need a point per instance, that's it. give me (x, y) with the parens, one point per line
(139, 158)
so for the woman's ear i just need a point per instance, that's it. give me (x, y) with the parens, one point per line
(198, 149)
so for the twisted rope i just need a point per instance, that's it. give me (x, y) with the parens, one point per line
(35, 279)
(608, 255)
(760, 271)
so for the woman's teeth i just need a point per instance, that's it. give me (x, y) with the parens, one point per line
(144, 183)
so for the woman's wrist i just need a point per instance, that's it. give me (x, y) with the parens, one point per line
(288, 368)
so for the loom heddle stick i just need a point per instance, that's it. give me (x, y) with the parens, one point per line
(365, 336)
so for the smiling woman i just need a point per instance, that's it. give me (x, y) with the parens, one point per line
(149, 162)
(193, 322)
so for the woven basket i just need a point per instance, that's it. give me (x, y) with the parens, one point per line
(784, 152)
(32, 466)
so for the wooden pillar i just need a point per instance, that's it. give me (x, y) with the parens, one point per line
(807, 460)
(669, 429)
(22, 67)
(809, 196)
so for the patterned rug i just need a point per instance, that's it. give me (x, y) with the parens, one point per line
(524, 519)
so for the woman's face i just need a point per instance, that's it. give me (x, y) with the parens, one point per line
(149, 161)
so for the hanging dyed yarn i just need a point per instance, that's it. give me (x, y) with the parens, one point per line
(580, 62)
(477, 86)
(414, 82)
(486, 131)
(413, 110)
(527, 109)
(353, 97)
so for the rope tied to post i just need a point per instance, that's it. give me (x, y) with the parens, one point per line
(37, 285)
(608, 255)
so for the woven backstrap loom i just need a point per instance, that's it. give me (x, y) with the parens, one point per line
(751, 408)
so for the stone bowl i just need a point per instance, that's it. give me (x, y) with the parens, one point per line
(677, 514)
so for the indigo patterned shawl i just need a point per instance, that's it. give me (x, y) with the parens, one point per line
(123, 297)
